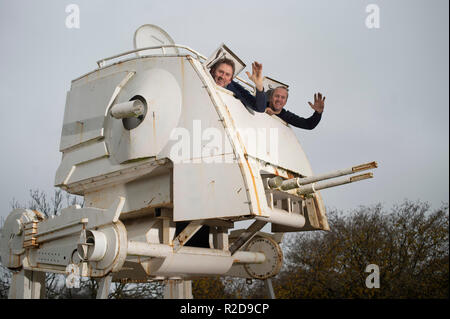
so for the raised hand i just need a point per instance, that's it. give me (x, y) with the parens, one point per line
(319, 103)
(256, 75)
(270, 111)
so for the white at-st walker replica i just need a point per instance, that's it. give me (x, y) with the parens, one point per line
(158, 150)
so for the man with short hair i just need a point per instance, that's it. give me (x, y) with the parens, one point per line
(223, 71)
(277, 100)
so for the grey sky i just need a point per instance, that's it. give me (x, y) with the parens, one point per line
(386, 89)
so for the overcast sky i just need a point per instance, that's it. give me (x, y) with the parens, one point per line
(386, 88)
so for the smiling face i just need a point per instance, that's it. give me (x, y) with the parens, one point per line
(223, 74)
(278, 99)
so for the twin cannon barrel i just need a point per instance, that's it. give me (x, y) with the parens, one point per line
(308, 185)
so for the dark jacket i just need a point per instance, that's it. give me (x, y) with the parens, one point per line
(297, 121)
(257, 103)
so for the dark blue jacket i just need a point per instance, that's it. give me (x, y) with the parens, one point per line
(297, 121)
(257, 103)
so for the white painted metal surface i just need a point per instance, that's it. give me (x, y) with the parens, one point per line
(262, 243)
(281, 217)
(149, 35)
(26, 284)
(124, 110)
(273, 258)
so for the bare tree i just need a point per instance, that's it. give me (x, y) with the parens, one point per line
(409, 245)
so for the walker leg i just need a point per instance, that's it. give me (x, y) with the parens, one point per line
(27, 284)
(269, 288)
(103, 287)
(178, 289)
